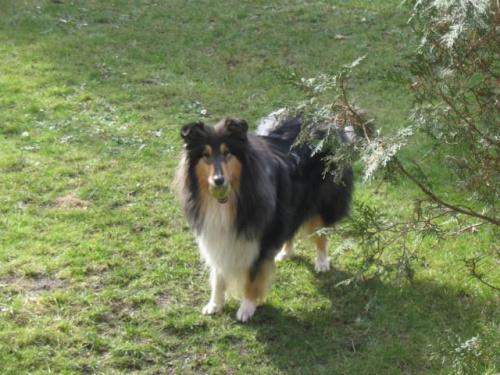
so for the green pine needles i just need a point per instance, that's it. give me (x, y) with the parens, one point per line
(455, 85)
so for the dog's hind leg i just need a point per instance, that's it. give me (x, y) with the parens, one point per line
(217, 297)
(287, 250)
(322, 261)
(312, 227)
(256, 288)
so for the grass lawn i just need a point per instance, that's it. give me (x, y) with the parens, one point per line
(98, 269)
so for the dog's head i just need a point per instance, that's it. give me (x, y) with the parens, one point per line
(216, 154)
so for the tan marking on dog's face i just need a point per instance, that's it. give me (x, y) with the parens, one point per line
(222, 163)
(224, 150)
(207, 152)
(231, 167)
(232, 171)
(216, 162)
(203, 170)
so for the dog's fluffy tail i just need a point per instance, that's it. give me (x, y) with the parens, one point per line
(271, 121)
(280, 118)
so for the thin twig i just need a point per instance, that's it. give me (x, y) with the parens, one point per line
(471, 228)
(465, 119)
(432, 196)
(471, 265)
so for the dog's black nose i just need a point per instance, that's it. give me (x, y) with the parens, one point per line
(218, 180)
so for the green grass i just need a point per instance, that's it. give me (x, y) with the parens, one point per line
(98, 270)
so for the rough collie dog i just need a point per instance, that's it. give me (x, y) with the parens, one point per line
(246, 196)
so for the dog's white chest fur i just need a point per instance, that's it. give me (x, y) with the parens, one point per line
(223, 250)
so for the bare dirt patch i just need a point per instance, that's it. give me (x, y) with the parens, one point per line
(32, 285)
(71, 201)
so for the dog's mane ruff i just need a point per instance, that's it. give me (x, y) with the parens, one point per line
(257, 186)
(265, 202)
(187, 191)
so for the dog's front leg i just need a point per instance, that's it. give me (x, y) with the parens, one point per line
(217, 297)
(246, 310)
(287, 251)
(255, 289)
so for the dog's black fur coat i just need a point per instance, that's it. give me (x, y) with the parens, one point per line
(281, 185)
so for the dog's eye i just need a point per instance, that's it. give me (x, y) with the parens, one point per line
(226, 152)
(206, 155)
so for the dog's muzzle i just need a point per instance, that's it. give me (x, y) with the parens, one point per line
(221, 193)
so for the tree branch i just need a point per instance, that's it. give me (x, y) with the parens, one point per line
(471, 264)
(471, 125)
(433, 197)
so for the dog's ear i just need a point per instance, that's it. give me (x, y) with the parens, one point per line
(236, 127)
(192, 131)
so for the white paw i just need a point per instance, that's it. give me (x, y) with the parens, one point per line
(282, 255)
(322, 266)
(212, 308)
(246, 310)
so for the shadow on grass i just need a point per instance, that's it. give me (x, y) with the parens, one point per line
(373, 327)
